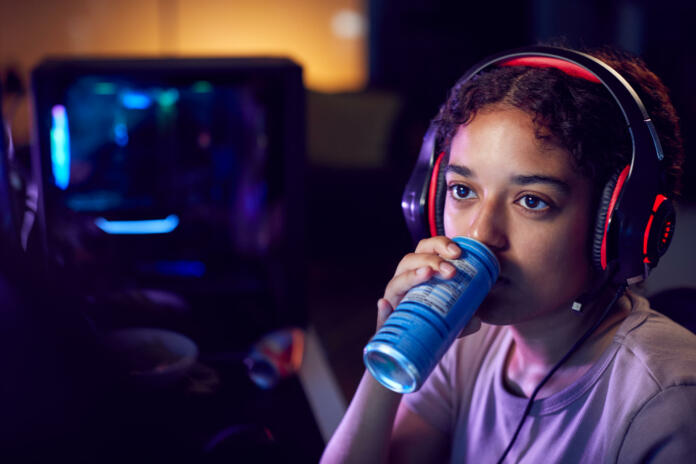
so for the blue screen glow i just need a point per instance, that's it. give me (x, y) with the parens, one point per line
(60, 147)
(140, 227)
(135, 100)
(182, 268)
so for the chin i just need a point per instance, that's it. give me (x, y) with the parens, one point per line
(494, 311)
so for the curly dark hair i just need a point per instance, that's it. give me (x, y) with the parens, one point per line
(581, 116)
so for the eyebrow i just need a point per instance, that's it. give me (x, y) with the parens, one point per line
(519, 179)
(461, 170)
(538, 179)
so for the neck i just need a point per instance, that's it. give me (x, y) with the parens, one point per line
(539, 345)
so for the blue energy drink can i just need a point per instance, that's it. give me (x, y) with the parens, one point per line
(405, 350)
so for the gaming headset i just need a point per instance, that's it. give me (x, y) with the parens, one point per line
(635, 221)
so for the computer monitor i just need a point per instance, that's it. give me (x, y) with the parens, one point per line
(181, 174)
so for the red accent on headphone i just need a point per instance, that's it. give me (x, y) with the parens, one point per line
(432, 192)
(658, 201)
(571, 69)
(614, 197)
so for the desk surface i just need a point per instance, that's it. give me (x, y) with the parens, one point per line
(60, 399)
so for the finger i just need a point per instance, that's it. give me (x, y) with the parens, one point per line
(440, 245)
(414, 261)
(473, 326)
(402, 283)
(384, 310)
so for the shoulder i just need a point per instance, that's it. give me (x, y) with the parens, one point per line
(658, 347)
(664, 429)
(655, 372)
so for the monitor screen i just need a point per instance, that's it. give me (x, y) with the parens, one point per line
(170, 172)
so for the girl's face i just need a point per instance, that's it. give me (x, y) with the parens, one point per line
(522, 198)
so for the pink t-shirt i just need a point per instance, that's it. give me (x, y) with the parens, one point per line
(636, 404)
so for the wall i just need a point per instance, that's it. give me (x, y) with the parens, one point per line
(326, 37)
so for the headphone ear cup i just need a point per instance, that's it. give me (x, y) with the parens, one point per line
(659, 230)
(600, 228)
(440, 195)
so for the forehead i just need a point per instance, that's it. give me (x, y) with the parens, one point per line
(507, 139)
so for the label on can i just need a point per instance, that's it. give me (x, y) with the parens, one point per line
(440, 294)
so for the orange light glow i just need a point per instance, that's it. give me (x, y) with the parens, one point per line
(301, 30)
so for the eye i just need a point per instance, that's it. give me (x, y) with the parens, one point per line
(461, 192)
(533, 203)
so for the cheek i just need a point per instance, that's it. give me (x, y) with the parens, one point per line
(454, 221)
(558, 258)
(450, 227)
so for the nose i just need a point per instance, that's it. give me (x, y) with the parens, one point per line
(488, 225)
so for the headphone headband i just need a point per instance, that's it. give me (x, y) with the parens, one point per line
(635, 197)
(547, 62)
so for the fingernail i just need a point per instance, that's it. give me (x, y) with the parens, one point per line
(453, 249)
(446, 268)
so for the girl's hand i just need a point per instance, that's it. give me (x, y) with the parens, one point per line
(429, 258)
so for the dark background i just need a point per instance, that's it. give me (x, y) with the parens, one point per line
(355, 233)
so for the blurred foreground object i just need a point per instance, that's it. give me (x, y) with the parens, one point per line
(276, 356)
(151, 357)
